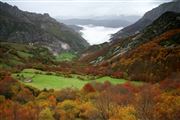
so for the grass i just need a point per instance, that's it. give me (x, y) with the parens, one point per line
(3, 65)
(41, 80)
(24, 54)
(65, 56)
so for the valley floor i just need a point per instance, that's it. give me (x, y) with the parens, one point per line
(57, 81)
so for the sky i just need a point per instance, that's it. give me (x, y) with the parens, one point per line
(87, 8)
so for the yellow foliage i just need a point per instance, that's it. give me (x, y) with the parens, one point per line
(124, 113)
(168, 107)
(46, 114)
(43, 103)
(69, 109)
(87, 110)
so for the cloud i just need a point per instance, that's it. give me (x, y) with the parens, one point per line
(87, 8)
(90, 1)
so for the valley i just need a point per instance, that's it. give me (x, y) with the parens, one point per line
(55, 70)
(50, 80)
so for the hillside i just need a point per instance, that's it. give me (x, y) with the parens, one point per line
(147, 19)
(31, 28)
(151, 55)
(14, 55)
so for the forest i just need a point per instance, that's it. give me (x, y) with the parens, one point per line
(100, 101)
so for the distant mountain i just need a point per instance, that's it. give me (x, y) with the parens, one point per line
(75, 27)
(129, 18)
(36, 29)
(147, 19)
(115, 23)
(151, 55)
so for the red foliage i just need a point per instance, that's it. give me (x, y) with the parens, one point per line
(130, 87)
(169, 84)
(88, 88)
(118, 74)
(5, 86)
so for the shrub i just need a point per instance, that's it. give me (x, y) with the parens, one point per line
(88, 88)
(66, 94)
(46, 114)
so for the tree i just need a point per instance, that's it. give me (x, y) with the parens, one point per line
(46, 114)
(66, 94)
(6, 86)
(24, 96)
(145, 102)
(105, 105)
(88, 88)
(124, 113)
(88, 111)
(167, 107)
(52, 101)
(69, 109)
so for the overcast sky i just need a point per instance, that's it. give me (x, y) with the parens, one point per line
(87, 8)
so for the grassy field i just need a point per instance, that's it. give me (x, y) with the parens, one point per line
(66, 56)
(43, 80)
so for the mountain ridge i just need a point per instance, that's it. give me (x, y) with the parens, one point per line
(106, 23)
(32, 28)
(147, 19)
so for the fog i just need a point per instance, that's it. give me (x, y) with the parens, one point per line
(97, 34)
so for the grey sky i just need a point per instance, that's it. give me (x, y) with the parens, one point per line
(87, 8)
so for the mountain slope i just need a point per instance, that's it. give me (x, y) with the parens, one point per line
(25, 27)
(151, 55)
(16, 54)
(147, 19)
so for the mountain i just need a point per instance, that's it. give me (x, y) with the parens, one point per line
(151, 55)
(19, 26)
(75, 27)
(129, 18)
(147, 19)
(100, 22)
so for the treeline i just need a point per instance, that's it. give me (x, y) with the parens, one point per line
(95, 101)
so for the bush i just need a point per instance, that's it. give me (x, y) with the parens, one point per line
(46, 114)
(66, 94)
(88, 88)
(80, 78)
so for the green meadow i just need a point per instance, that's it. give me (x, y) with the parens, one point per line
(65, 56)
(49, 80)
